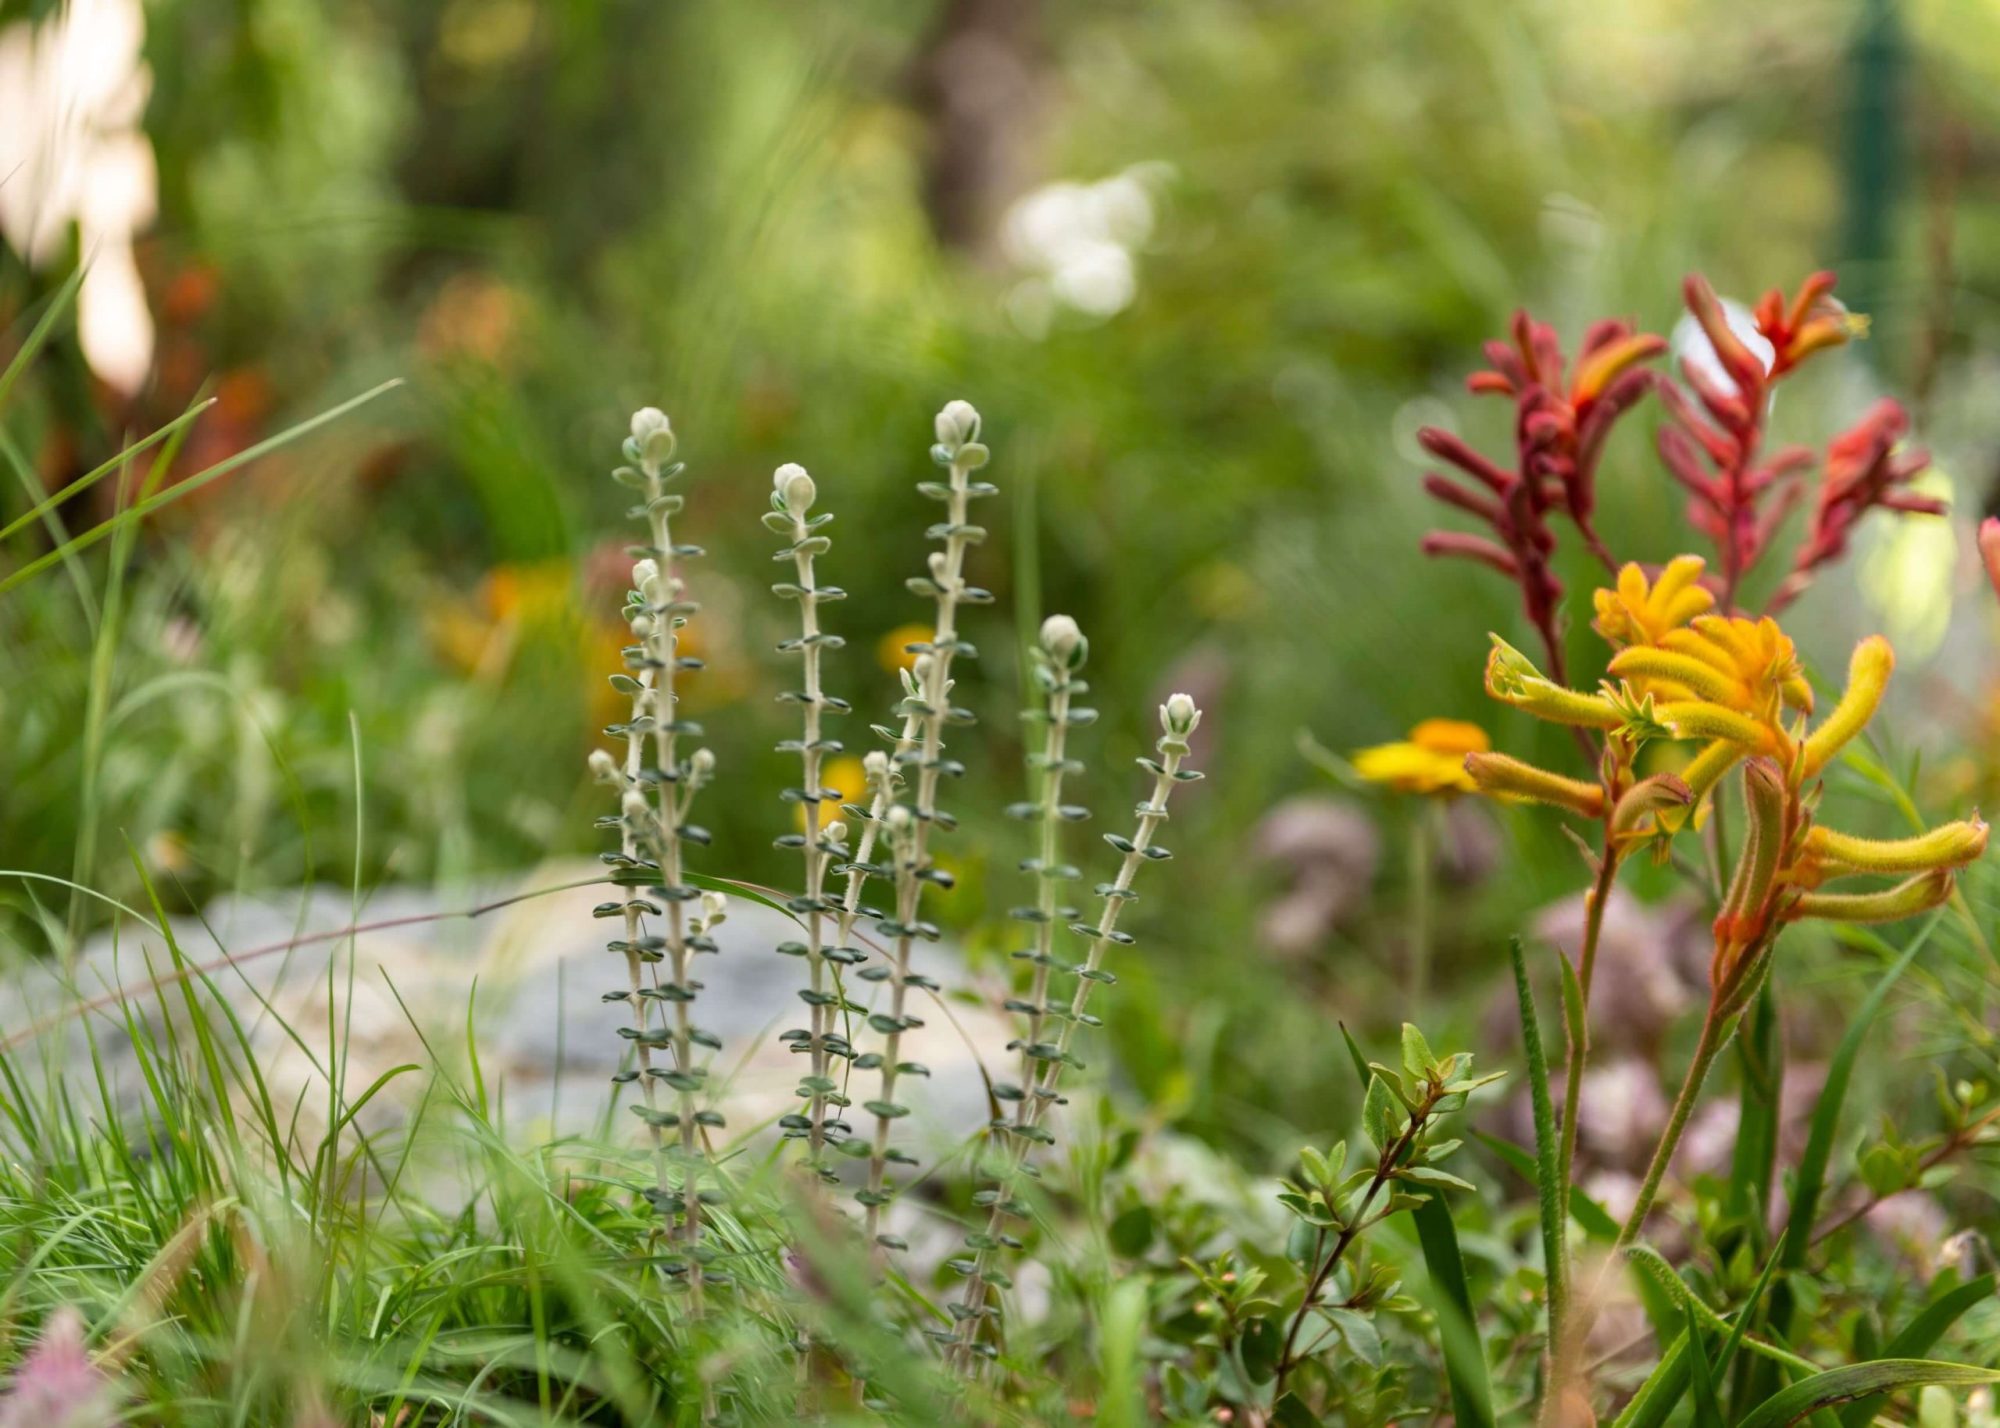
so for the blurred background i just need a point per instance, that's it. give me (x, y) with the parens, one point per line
(1204, 265)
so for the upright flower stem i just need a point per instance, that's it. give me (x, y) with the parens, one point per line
(1714, 1034)
(676, 793)
(1048, 870)
(907, 828)
(912, 863)
(1420, 905)
(1044, 1061)
(792, 497)
(1593, 929)
(655, 802)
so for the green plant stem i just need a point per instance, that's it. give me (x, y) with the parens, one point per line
(1384, 1168)
(1713, 1036)
(929, 750)
(1593, 929)
(811, 754)
(674, 797)
(1046, 884)
(1042, 1082)
(1421, 890)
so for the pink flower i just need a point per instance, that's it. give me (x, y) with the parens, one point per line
(57, 1385)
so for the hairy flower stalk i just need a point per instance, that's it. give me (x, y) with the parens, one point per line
(822, 840)
(905, 828)
(1043, 1061)
(1060, 652)
(655, 801)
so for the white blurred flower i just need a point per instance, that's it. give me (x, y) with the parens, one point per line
(72, 91)
(1078, 242)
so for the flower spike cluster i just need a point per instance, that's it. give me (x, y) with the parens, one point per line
(902, 828)
(1562, 419)
(656, 786)
(1866, 468)
(821, 840)
(1735, 685)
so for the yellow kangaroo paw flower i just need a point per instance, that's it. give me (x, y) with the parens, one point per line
(1512, 678)
(1908, 898)
(1951, 845)
(1510, 778)
(1867, 677)
(1698, 719)
(1700, 678)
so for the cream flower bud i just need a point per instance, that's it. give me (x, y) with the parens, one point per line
(957, 424)
(795, 488)
(1178, 716)
(645, 574)
(603, 767)
(653, 435)
(898, 819)
(1061, 637)
(940, 568)
(875, 768)
(714, 907)
(642, 625)
(635, 806)
(701, 763)
(835, 832)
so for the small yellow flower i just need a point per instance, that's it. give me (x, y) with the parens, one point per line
(1431, 760)
(845, 776)
(1641, 612)
(893, 651)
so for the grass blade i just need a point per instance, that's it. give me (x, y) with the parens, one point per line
(1811, 1179)
(1458, 1331)
(1548, 1181)
(139, 510)
(1661, 1393)
(1859, 1381)
(1919, 1334)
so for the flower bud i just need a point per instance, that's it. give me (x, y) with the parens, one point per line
(1178, 716)
(957, 424)
(940, 568)
(898, 819)
(714, 907)
(701, 764)
(645, 576)
(603, 767)
(794, 487)
(875, 767)
(642, 626)
(1505, 777)
(653, 435)
(1867, 677)
(637, 810)
(1062, 638)
(835, 832)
